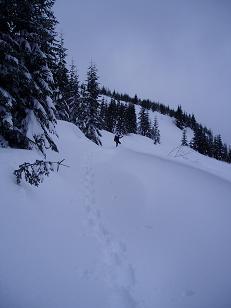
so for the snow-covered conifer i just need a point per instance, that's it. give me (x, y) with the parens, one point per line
(26, 109)
(179, 118)
(73, 100)
(200, 141)
(111, 116)
(61, 79)
(184, 141)
(144, 127)
(131, 124)
(155, 133)
(218, 147)
(121, 120)
(89, 106)
(102, 114)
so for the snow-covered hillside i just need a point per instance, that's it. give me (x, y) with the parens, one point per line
(135, 226)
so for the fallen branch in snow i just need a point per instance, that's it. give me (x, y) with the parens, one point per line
(34, 173)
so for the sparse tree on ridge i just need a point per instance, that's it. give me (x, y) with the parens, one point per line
(155, 132)
(135, 100)
(144, 127)
(229, 155)
(193, 122)
(179, 118)
(201, 142)
(184, 141)
(218, 147)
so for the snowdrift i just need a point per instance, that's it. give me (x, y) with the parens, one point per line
(133, 226)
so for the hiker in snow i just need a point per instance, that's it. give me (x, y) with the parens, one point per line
(117, 139)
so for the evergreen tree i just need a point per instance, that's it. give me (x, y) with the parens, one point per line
(135, 100)
(179, 118)
(209, 142)
(195, 142)
(26, 109)
(193, 122)
(144, 127)
(61, 78)
(200, 141)
(80, 120)
(73, 100)
(102, 114)
(90, 106)
(218, 147)
(121, 128)
(155, 132)
(130, 118)
(111, 116)
(225, 152)
(229, 155)
(184, 141)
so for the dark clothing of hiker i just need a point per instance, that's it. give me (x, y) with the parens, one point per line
(117, 139)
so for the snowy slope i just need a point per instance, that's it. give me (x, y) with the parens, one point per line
(133, 226)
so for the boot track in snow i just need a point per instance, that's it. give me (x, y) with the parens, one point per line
(119, 274)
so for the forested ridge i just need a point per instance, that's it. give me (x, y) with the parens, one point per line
(37, 87)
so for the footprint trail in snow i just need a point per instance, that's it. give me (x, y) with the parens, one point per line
(119, 274)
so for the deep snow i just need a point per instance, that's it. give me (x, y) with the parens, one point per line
(135, 226)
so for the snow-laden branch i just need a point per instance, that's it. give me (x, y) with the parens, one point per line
(34, 173)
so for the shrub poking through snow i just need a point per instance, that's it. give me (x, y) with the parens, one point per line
(34, 173)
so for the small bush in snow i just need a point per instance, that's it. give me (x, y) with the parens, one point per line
(34, 173)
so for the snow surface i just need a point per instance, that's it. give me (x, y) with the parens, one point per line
(135, 226)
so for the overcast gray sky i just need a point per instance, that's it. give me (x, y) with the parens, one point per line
(172, 51)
